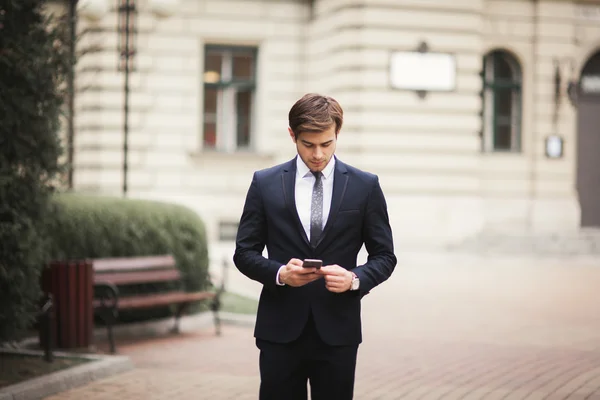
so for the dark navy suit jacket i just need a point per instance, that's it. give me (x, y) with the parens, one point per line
(358, 215)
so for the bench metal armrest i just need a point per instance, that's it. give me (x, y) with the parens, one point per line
(108, 294)
(216, 303)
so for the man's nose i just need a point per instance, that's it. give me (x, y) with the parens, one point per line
(318, 153)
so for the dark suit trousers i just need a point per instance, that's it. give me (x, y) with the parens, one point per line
(286, 368)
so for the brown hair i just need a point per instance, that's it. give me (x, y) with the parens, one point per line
(315, 113)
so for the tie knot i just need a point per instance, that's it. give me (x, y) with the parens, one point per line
(317, 175)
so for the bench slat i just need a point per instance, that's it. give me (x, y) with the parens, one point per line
(159, 299)
(128, 278)
(133, 263)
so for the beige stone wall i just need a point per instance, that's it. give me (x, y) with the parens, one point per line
(424, 150)
(440, 186)
(166, 159)
(527, 189)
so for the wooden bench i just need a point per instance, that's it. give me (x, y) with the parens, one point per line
(112, 273)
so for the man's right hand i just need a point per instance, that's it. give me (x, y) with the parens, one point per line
(293, 274)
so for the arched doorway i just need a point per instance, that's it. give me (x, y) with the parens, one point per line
(588, 142)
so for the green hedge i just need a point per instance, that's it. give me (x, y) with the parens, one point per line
(86, 226)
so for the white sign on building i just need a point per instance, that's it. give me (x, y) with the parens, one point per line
(423, 71)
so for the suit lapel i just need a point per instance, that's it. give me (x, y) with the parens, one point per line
(288, 180)
(340, 183)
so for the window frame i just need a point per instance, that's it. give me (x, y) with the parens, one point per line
(491, 85)
(227, 87)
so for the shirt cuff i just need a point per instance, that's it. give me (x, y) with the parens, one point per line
(277, 277)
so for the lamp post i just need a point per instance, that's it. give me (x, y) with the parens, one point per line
(95, 10)
(127, 32)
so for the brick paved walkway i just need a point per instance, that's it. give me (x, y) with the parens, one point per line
(464, 331)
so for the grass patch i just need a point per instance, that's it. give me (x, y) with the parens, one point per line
(238, 304)
(16, 368)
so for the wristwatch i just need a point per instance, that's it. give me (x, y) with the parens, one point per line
(355, 284)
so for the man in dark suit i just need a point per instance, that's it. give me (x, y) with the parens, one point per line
(308, 325)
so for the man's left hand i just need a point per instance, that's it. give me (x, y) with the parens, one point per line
(337, 279)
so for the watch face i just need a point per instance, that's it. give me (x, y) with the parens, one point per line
(355, 284)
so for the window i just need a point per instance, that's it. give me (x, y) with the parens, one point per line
(502, 97)
(229, 84)
(228, 231)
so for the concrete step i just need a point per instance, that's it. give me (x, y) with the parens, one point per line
(582, 242)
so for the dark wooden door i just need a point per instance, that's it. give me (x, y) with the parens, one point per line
(588, 143)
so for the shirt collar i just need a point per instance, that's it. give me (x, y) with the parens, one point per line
(303, 171)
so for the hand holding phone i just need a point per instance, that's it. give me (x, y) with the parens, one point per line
(312, 263)
(299, 273)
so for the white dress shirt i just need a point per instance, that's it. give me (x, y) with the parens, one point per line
(305, 181)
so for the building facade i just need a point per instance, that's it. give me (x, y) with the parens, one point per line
(507, 144)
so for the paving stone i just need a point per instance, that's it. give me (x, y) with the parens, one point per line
(483, 330)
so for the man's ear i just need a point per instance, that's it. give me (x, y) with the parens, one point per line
(292, 134)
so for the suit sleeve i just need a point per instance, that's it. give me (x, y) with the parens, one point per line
(251, 240)
(377, 236)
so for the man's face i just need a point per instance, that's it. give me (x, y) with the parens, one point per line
(315, 149)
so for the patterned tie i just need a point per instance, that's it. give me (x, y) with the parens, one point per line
(316, 210)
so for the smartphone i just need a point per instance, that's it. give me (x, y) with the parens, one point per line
(309, 263)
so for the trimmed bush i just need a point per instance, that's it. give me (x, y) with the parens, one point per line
(86, 226)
